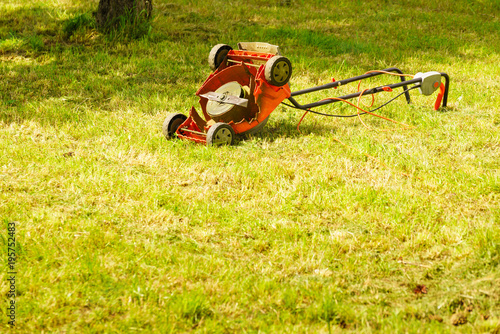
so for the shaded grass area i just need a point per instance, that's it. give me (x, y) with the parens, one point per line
(121, 231)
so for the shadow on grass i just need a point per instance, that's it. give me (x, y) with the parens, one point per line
(288, 129)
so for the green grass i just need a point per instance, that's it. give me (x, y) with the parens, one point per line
(121, 231)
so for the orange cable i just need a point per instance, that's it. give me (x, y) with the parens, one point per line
(384, 72)
(298, 124)
(358, 109)
(359, 117)
(373, 96)
(366, 111)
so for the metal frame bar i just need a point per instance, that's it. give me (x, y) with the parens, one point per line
(446, 88)
(193, 131)
(404, 83)
(242, 62)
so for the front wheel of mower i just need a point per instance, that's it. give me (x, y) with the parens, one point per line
(217, 55)
(278, 71)
(172, 123)
(220, 134)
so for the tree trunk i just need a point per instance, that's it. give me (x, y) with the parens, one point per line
(112, 13)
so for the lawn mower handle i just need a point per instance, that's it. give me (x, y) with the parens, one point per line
(371, 91)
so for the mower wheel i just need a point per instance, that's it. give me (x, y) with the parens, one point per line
(217, 55)
(278, 70)
(220, 134)
(172, 123)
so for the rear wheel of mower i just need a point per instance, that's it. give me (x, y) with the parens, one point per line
(220, 134)
(278, 70)
(172, 123)
(217, 55)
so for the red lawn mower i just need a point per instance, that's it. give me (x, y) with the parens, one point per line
(247, 84)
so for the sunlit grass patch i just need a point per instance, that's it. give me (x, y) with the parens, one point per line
(120, 230)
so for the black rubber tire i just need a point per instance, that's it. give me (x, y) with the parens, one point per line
(217, 55)
(220, 134)
(171, 124)
(278, 71)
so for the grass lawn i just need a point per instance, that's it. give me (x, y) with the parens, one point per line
(119, 230)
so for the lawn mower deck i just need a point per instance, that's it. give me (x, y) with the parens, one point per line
(249, 83)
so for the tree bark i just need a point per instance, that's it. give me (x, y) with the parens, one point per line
(110, 13)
